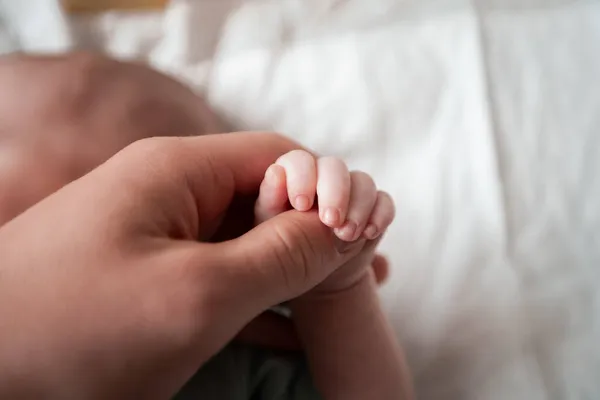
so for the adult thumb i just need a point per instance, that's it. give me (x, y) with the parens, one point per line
(282, 258)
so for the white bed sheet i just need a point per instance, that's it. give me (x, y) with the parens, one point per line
(481, 118)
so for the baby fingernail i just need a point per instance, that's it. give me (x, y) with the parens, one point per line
(347, 231)
(331, 216)
(301, 203)
(370, 231)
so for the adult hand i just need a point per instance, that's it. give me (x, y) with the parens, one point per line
(105, 291)
(273, 330)
(62, 116)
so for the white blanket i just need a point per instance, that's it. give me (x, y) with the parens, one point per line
(482, 118)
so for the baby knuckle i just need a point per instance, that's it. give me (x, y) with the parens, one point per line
(333, 161)
(364, 181)
(294, 157)
(300, 153)
(387, 203)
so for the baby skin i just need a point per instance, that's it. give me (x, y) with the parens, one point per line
(351, 350)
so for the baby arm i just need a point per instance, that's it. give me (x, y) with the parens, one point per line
(350, 346)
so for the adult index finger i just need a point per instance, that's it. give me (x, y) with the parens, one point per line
(188, 183)
(217, 167)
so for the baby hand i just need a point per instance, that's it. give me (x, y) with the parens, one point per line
(347, 201)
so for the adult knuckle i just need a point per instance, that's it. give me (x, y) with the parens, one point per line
(161, 151)
(285, 252)
(152, 163)
(296, 254)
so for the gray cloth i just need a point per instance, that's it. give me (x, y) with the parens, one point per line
(249, 373)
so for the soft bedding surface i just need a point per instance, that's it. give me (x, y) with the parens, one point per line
(481, 118)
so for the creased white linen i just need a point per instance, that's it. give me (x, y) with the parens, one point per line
(481, 118)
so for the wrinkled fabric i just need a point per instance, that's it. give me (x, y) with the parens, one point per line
(481, 118)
